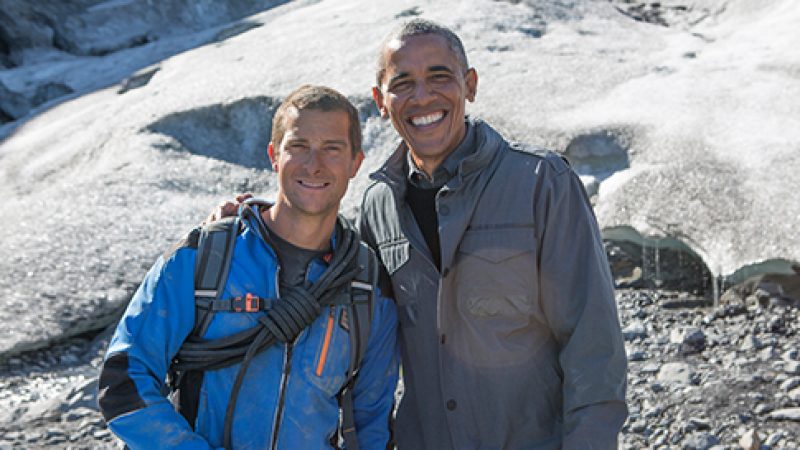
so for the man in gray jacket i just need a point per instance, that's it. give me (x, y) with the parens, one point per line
(509, 331)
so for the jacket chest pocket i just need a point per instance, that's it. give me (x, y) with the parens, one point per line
(496, 271)
(327, 352)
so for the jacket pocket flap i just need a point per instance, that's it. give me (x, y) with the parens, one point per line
(498, 244)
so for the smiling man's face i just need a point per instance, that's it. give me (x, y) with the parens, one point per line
(423, 91)
(314, 162)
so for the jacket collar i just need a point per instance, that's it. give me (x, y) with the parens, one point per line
(250, 215)
(488, 142)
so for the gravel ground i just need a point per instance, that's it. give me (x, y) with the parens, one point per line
(700, 377)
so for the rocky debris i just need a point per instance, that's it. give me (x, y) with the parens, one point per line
(14, 105)
(681, 14)
(43, 44)
(705, 377)
(97, 27)
(766, 288)
(48, 397)
(715, 397)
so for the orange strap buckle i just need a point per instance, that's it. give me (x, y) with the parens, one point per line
(251, 303)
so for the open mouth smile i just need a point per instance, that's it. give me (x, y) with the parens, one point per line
(313, 185)
(428, 119)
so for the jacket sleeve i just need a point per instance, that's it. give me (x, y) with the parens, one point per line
(578, 300)
(373, 393)
(369, 238)
(158, 319)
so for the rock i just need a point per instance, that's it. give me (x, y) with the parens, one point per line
(13, 104)
(776, 325)
(750, 342)
(773, 438)
(790, 383)
(650, 410)
(768, 354)
(792, 414)
(635, 330)
(691, 340)
(750, 440)
(792, 367)
(650, 368)
(137, 80)
(794, 395)
(675, 373)
(79, 413)
(763, 408)
(699, 423)
(638, 355)
(699, 441)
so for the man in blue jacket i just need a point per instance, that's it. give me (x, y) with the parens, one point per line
(287, 394)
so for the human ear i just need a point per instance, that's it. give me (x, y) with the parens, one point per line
(471, 81)
(377, 95)
(271, 153)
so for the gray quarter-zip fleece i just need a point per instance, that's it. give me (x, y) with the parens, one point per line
(516, 344)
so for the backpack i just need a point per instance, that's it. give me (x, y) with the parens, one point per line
(214, 243)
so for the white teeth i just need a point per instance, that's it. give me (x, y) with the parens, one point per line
(427, 120)
(313, 185)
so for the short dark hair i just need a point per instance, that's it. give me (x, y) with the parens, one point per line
(417, 27)
(321, 98)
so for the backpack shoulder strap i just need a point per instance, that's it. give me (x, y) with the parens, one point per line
(361, 312)
(214, 243)
(214, 254)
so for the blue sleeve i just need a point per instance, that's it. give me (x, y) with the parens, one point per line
(373, 394)
(157, 321)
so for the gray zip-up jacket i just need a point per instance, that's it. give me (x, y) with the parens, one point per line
(516, 343)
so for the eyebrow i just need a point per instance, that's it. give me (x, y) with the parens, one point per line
(430, 69)
(397, 77)
(440, 69)
(299, 140)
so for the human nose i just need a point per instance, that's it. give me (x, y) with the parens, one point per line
(313, 159)
(422, 93)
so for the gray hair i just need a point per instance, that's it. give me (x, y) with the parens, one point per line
(417, 27)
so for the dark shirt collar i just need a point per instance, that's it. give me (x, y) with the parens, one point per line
(448, 168)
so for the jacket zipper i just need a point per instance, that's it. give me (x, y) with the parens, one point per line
(287, 361)
(325, 344)
(287, 367)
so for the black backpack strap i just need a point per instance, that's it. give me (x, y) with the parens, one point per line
(214, 244)
(214, 255)
(362, 302)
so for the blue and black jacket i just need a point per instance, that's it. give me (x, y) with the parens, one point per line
(288, 399)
